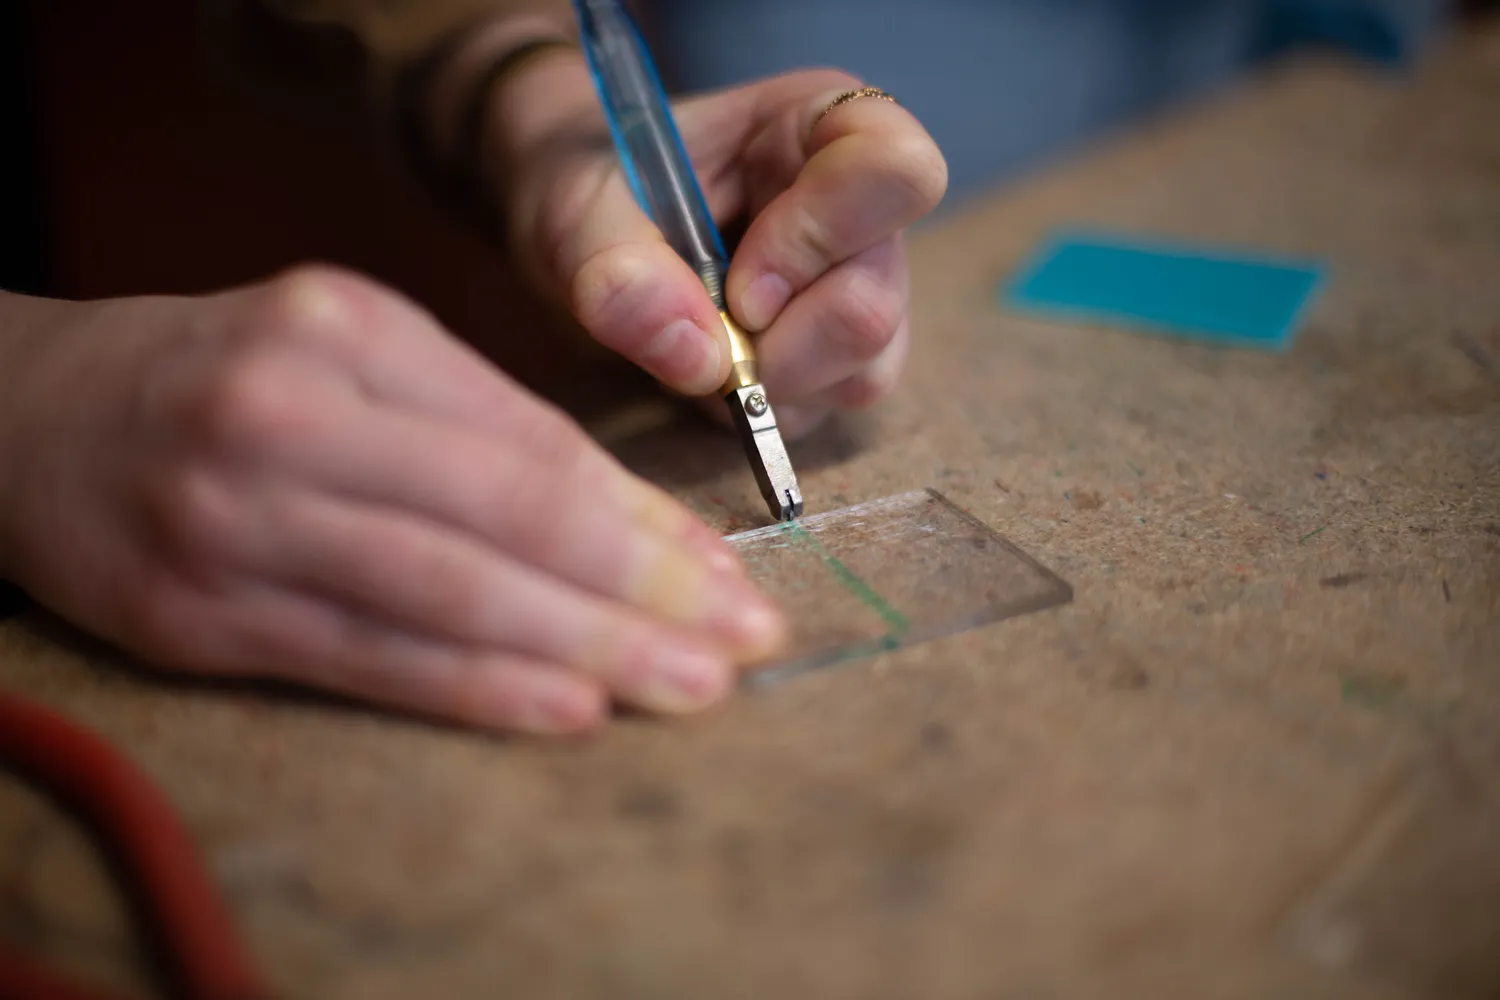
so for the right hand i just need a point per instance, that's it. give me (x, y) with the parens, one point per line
(309, 480)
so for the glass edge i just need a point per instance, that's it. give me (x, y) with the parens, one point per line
(1056, 593)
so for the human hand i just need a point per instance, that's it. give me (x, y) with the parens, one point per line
(820, 276)
(309, 480)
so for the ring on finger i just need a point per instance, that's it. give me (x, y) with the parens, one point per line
(854, 95)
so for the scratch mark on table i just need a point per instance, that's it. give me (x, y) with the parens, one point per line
(1342, 580)
(1477, 354)
(1371, 690)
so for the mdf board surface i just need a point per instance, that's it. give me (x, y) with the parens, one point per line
(1256, 756)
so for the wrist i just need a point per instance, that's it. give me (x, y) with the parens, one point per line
(449, 106)
(547, 106)
(26, 323)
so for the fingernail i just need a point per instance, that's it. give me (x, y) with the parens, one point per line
(764, 299)
(752, 622)
(684, 680)
(683, 354)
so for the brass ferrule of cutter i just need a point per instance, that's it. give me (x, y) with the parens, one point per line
(742, 372)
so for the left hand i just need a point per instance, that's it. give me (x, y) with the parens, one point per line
(820, 276)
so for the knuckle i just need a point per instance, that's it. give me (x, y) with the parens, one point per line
(575, 490)
(248, 407)
(864, 390)
(531, 501)
(189, 514)
(814, 242)
(309, 305)
(548, 432)
(606, 291)
(548, 496)
(866, 316)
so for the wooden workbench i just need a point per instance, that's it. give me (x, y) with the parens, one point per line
(1258, 756)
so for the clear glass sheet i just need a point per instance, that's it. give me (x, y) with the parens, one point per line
(887, 574)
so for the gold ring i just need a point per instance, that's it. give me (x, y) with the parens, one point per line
(854, 95)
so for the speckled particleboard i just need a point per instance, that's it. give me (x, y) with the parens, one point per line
(1256, 756)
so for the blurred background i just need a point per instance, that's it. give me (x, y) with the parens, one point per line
(133, 166)
(1005, 84)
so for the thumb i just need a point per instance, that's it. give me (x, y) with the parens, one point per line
(634, 294)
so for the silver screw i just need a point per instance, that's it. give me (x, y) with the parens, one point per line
(755, 404)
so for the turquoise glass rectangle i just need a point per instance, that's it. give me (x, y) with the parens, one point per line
(1194, 292)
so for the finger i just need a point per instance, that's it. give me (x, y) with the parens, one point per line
(642, 301)
(630, 289)
(487, 690)
(876, 380)
(420, 577)
(839, 325)
(276, 409)
(871, 171)
(296, 637)
(574, 515)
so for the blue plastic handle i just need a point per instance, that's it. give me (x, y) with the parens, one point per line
(650, 147)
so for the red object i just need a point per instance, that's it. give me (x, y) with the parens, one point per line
(134, 820)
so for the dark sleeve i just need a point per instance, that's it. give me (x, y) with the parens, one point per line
(348, 56)
(374, 62)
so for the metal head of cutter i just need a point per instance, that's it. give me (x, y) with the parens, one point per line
(755, 422)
